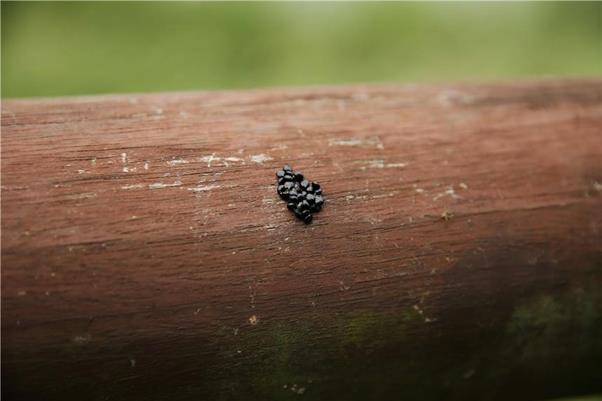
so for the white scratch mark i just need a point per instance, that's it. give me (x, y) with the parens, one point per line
(146, 165)
(390, 194)
(84, 195)
(463, 186)
(93, 161)
(379, 163)
(160, 185)
(124, 158)
(448, 192)
(132, 186)
(279, 147)
(208, 159)
(260, 158)
(372, 142)
(202, 188)
(81, 171)
(177, 162)
(419, 190)
(16, 187)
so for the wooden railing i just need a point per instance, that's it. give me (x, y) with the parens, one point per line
(146, 254)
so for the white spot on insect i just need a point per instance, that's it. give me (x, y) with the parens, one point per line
(132, 186)
(160, 185)
(253, 320)
(203, 188)
(260, 158)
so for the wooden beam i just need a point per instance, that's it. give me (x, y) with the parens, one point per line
(146, 254)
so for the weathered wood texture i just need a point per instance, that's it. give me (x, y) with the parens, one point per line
(146, 255)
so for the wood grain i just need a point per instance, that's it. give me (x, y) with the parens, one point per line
(146, 254)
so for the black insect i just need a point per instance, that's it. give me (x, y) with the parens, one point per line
(303, 197)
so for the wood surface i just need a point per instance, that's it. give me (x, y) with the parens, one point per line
(146, 254)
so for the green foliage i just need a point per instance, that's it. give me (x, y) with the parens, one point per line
(53, 49)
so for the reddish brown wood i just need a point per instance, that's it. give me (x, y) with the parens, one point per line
(146, 254)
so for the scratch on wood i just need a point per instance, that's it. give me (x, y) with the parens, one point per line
(159, 185)
(132, 186)
(371, 142)
(379, 163)
(448, 192)
(84, 195)
(260, 158)
(202, 188)
(177, 162)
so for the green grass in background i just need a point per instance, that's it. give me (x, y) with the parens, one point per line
(51, 49)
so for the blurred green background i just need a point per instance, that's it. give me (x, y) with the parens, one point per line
(51, 49)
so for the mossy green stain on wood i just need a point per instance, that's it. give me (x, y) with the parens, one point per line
(368, 355)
